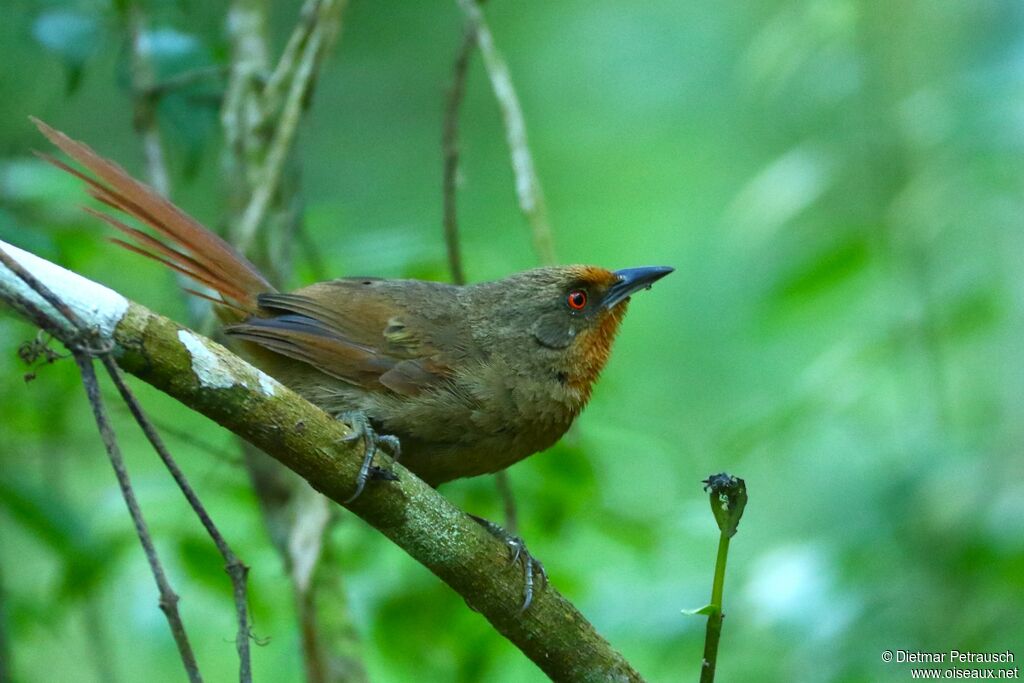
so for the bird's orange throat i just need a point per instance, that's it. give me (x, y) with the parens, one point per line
(591, 349)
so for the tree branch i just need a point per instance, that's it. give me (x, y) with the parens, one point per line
(208, 378)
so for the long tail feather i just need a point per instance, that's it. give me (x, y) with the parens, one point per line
(206, 258)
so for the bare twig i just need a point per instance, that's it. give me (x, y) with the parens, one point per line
(314, 261)
(247, 25)
(168, 598)
(146, 96)
(317, 35)
(450, 144)
(143, 80)
(95, 628)
(292, 54)
(508, 502)
(531, 199)
(82, 352)
(528, 190)
(236, 569)
(187, 435)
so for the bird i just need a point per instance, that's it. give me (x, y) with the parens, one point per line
(457, 380)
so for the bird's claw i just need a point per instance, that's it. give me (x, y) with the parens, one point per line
(519, 554)
(361, 428)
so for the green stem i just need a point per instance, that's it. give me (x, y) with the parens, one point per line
(723, 555)
(714, 629)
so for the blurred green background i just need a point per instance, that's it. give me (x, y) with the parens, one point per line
(840, 186)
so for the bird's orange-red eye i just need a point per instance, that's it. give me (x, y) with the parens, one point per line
(577, 299)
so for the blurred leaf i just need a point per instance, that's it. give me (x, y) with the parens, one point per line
(72, 35)
(827, 269)
(639, 535)
(167, 47)
(455, 651)
(972, 313)
(30, 180)
(87, 559)
(201, 560)
(566, 483)
(50, 520)
(190, 116)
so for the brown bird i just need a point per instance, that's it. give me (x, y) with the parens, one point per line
(468, 379)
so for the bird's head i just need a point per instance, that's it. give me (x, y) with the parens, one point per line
(572, 314)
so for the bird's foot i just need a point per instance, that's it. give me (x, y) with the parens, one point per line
(518, 554)
(360, 427)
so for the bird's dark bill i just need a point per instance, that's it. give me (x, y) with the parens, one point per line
(632, 280)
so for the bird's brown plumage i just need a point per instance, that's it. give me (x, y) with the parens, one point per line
(471, 379)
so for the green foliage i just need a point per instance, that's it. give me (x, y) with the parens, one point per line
(838, 185)
(87, 558)
(72, 35)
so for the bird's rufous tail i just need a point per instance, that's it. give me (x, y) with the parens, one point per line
(200, 254)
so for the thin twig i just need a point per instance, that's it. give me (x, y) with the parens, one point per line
(99, 641)
(528, 189)
(146, 97)
(314, 261)
(286, 130)
(168, 598)
(147, 94)
(247, 28)
(450, 144)
(82, 354)
(235, 568)
(187, 436)
(143, 80)
(508, 502)
(291, 54)
(83, 358)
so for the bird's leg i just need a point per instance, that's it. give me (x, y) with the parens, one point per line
(518, 554)
(360, 427)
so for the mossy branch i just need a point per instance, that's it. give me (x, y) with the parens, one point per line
(211, 380)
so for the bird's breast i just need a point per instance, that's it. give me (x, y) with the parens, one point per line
(486, 418)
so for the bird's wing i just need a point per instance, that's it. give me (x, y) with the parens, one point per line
(365, 332)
